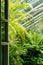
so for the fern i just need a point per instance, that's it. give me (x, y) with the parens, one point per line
(25, 47)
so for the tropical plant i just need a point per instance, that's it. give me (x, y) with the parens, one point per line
(25, 47)
(30, 52)
(16, 15)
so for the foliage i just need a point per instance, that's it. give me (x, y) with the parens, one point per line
(17, 11)
(30, 52)
(26, 48)
(2, 8)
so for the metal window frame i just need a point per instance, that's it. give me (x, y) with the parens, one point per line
(4, 47)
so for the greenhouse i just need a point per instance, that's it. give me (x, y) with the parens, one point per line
(21, 32)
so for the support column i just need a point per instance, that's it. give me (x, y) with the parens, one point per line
(5, 46)
(0, 37)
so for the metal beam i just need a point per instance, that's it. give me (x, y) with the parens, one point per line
(4, 46)
(0, 37)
